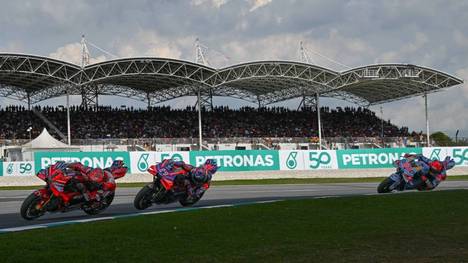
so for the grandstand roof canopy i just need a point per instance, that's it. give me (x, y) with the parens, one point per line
(265, 82)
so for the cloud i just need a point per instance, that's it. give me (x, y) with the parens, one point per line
(328, 52)
(355, 33)
(12, 47)
(151, 43)
(72, 53)
(255, 4)
(213, 3)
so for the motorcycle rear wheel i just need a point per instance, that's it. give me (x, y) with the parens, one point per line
(187, 203)
(28, 208)
(384, 186)
(144, 197)
(103, 206)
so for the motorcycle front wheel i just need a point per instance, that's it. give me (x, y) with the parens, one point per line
(144, 197)
(384, 186)
(29, 209)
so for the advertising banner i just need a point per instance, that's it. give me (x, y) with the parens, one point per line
(18, 168)
(459, 154)
(307, 160)
(239, 160)
(242, 160)
(92, 159)
(372, 158)
(140, 161)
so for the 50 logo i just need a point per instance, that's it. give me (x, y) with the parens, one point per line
(319, 160)
(460, 155)
(18, 168)
(141, 161)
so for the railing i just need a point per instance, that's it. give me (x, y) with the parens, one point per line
(267, 141)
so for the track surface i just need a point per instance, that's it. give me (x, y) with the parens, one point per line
(10, 201)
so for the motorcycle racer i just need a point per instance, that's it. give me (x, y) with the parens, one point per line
(195, 179)
(426, 174)
(85, 178)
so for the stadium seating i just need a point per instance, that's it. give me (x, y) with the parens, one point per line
(164, 122)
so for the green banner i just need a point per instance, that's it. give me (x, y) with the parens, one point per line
(372, 158)
(92, 159)
(1, 168)
(244, 160)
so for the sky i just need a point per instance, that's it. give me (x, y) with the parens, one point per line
(428, 33)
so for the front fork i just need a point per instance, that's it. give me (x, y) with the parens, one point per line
(398, 182)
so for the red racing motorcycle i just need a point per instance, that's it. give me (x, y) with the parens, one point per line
(61, 194)
(165, 189)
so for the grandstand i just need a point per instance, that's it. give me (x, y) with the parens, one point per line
(32, 79)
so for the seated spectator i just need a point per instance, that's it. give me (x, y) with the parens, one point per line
(164, 122)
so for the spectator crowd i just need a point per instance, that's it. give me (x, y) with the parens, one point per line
(164, 122)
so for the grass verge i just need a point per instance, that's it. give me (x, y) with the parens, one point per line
(267, 181)
(411, 227)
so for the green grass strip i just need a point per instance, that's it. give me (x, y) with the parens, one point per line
(411, 227)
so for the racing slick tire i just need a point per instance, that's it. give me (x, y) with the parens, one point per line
(104, 204)
(28, 208)
(384, 186)
(186, 203)
(144, 197)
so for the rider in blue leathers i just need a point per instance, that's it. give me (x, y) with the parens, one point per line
(425, 174)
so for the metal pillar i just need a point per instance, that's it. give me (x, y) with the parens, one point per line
(89, 96)
(29, 101)
(319, 124)
(68, 119)
(200, 131)
(427, 121)
(382, 127)
(148, 100)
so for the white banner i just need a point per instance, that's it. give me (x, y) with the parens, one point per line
(459, 154)
(18, 168)
(308, 160)
(141, 161)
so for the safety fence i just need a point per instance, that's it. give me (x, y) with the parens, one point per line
(241, 160)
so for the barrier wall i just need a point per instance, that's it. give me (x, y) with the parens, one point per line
(242, 164)
(242, 160)
(248, 160)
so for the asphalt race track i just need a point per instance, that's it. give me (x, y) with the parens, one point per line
(11, 200)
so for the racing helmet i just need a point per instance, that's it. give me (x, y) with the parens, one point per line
(199, 175)
(204, 172)
(116, 164)
(436, 167)
(118, 169)
(211, 166)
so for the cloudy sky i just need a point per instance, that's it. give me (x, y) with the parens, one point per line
(353, 33)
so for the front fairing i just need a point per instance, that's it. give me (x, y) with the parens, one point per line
(408, 169)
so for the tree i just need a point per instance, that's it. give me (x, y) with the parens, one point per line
(442, 139)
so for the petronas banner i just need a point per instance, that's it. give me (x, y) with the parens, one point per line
(245, 160)
(239, 160)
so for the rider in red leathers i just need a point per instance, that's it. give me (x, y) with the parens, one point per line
(86, 178)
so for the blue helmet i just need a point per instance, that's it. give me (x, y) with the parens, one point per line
(117, 164)
(204, 172)
(211, 166)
